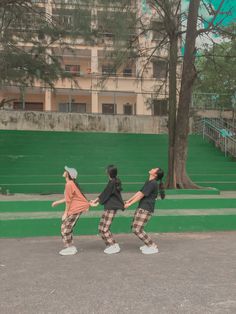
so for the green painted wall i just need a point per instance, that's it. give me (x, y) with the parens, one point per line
(88, 226)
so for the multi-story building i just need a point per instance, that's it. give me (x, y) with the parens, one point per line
(124, 92)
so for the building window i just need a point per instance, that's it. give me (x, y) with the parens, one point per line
(31, 106)
(160, 107)
(128, 109)
(72, 107)
(63, 107)
(127, 72)
(73, 69)
(108, 20)
(78, 107)
(108, 108)
(108, 69)
(71, 19)
(105, 20)
(160, 68)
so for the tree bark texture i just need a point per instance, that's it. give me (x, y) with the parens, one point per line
(171, 182)
(187, 80)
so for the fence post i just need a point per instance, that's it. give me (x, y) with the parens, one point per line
(225, 138)
(203, 129)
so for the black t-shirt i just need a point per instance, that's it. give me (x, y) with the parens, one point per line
(111, 197)
(150, 191)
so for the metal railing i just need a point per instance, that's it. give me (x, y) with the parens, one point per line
(221, 133)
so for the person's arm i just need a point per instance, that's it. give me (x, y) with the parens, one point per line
(137, 197)
(63, 200)
(54, 204)
(134, 196)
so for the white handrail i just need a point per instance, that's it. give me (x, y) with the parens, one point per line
(220, 135)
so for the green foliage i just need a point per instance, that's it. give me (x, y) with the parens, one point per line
(73, 22)
(27, 34)
(217, 73)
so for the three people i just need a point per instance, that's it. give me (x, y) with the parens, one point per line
(76, 204)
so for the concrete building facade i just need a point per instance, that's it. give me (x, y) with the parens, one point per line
(93, 90)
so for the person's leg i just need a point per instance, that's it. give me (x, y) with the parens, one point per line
(67, 236)
(104, 230)
(140, 219)
(104, 227)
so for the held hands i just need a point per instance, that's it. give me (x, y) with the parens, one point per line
(127, 204)
(93, 203)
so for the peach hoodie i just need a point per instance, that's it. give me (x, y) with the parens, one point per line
(75, 200)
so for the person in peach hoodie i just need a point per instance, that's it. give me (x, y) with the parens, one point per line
(76, 204)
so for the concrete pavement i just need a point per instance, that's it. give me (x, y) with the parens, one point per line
(193, 273)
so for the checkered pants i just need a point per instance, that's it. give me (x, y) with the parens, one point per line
(104, 226)
(140, 219)
(67, 228)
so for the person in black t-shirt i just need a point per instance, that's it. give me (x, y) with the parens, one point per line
(146, 197)
(112, 201)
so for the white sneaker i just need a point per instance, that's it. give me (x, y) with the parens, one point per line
(150, 250)
(112, 249)
(143, 247)
(70, 250)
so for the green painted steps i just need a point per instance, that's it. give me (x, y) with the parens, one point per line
(38, 218)
(33, 161)
(194, 203)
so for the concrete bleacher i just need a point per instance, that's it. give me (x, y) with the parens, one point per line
(32, 163)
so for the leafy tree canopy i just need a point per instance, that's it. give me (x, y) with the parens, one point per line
(27, 34)
(217, 70)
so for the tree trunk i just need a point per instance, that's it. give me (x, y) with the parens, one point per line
(171, 182)
(187, 80)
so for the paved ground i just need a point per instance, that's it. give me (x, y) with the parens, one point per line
(193, 273)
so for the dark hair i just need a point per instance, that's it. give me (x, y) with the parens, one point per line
(112, 172)
(76, 184)
(160, 175)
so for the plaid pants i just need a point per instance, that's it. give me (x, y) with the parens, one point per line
(67, 228)
(140, 219)
(104, 226)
